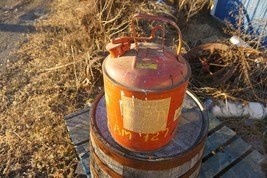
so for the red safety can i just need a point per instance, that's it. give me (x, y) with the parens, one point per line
(145, 84)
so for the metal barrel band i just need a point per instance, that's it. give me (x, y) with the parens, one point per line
(192, 170)
(104, 168)
(92, 170)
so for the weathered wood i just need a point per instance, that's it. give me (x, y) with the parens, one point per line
(217, 139)
(79, 169)
(213, 122)
(181, 157)
(129, 171)
(78, 127)
(82, 149)
(83, 152)
(250, 166)
(223, 158)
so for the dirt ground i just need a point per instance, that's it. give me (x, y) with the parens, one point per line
(16, 20)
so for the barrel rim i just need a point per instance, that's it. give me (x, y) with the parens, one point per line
(185, 154)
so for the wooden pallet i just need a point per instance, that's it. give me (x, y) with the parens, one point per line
(226, 155)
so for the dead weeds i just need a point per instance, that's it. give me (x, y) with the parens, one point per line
(57, 74)
(247, 77)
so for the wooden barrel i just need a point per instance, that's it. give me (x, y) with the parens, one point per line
(180, 158)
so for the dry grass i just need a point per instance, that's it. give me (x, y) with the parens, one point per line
(248, 83)
(250, 77)
(189, 8)
(248, 31)
(56, 75)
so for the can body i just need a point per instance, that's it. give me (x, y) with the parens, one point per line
(142, 120)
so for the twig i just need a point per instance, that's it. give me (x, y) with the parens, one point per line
(116, 17)
(261, 35)
(62, 66)
(18, 135)
(74, 69)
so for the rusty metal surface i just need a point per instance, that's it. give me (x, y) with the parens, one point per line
(201, 62)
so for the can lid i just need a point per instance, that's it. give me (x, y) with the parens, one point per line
(150, 68)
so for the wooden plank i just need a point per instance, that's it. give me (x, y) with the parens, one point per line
(83, 153)
(86, 165)
(223, 158)
(78, 127)
(82, 149)
(79, 169)
(217, 139)
(250, 166)
(71, 115)
(213, 121)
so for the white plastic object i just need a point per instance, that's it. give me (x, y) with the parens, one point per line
(213, 7)
(251, 110)
(239, 42)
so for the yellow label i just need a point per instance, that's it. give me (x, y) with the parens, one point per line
(177, 113)
(145, 116)
(146, 66)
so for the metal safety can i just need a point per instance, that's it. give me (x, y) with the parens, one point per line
(145, 84)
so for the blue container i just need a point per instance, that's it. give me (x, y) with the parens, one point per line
(254, 14)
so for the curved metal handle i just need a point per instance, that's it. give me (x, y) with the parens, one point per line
(157, 18)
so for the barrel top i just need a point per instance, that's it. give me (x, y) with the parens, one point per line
(192, 129)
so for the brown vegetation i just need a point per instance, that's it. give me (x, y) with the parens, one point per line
(58, 74)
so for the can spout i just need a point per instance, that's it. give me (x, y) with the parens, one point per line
(119, 46)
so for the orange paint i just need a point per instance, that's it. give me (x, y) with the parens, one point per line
(134, 140)
(144, 88)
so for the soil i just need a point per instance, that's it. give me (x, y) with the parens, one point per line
(203, 28)
(16, 20)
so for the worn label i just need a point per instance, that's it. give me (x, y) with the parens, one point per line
(149, 137)
(177, 113)
(145, 116)
(146, 66)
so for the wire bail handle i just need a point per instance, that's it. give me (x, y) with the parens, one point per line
(157, 18)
